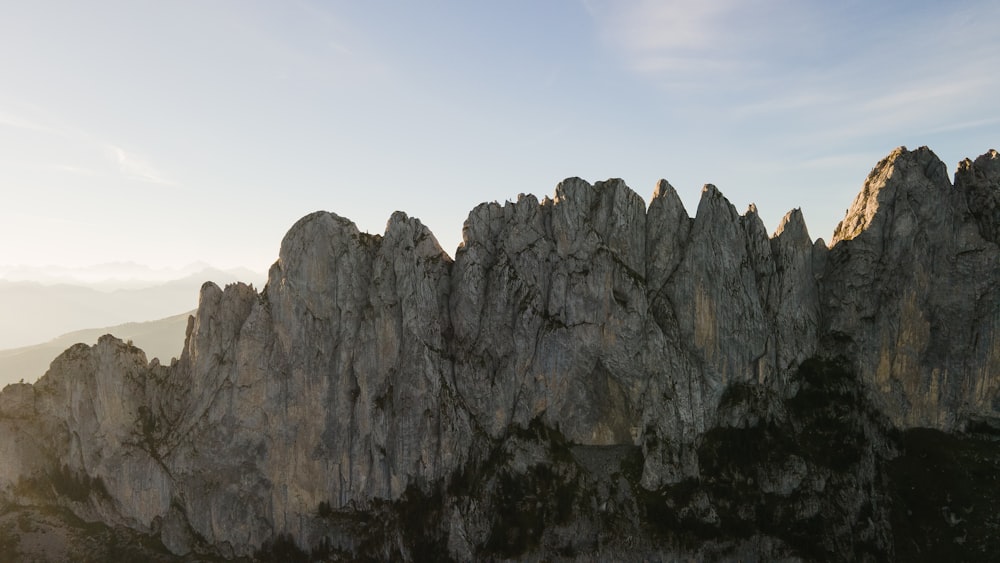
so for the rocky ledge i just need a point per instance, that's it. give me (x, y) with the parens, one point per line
(590, 377)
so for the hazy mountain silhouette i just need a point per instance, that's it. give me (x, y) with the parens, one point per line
(36, 312)
(112, 276)
(162, 338)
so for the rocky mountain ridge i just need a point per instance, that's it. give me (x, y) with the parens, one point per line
(590, 376)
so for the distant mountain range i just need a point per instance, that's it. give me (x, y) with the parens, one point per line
(59, 301)
(163, 339)
(120, 275)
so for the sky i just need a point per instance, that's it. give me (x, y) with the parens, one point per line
(166, 133)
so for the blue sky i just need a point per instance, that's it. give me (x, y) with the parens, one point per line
(172, 132)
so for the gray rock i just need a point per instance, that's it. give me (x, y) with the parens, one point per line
(373, 377)
(909, 291)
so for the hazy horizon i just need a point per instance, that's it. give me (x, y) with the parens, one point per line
(38, 309)
(120, 275)
(170, 133)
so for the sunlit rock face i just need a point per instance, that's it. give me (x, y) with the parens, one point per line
(910, 288)
(589, 377)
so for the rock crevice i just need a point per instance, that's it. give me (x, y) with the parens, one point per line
(375, 371)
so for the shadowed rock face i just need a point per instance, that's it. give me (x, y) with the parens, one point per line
(589, 377)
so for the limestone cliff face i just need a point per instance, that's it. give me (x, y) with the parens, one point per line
(910, 291)
(331, 387)
(585, 359)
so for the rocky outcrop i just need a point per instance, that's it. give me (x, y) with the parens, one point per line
(548, 303)
(910, 291)
(590, 376)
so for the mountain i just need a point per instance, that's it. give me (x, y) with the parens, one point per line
(163, 338)
(591, 377)
(120, 275)
(37, 312)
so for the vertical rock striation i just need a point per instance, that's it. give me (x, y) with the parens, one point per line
(608, 360)
(548, 305)
(910, 290)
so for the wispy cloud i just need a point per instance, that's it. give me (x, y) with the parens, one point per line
(327, 46)
(19, 122)
(136, 167)
(671, 25)
(801, 98)
(936, 90)
(77, 170)
(839, 161)
(669, 38)
(129, 164)
(823, 72)
(965, 125)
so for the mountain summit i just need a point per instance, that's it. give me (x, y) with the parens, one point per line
(589, 377)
